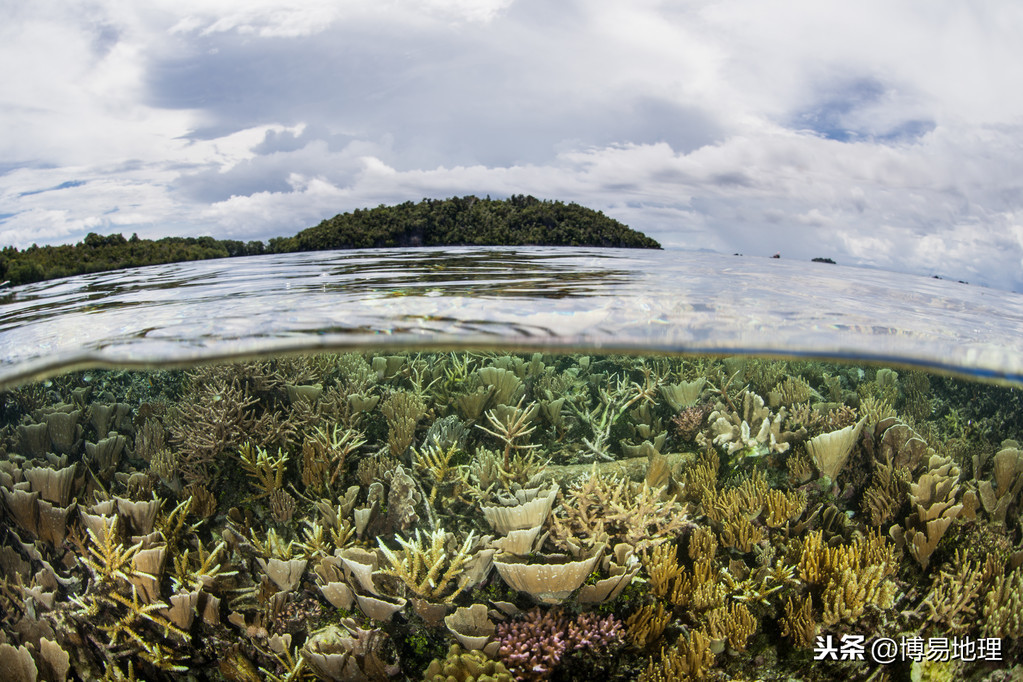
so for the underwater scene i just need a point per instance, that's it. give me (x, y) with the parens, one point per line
(476, 515)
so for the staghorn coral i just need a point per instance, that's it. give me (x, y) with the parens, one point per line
(1003, 607)
(429, 567)
(267, 470)
(607, 509)
(403, 410)
(511, 424)
(952, 598)
(217, 417)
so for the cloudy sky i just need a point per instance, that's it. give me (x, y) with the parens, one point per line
(880, 133)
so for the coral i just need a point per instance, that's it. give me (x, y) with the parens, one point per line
(270, 494)
(933, 495)
(267, 470)
(216, 417)
(1008, 473)
(506, 387)
(701, 475)
(662, 567)
(552, 580)
(688, 660)
(601, 508)
(689, 421)
(429, 568)
(891, 440)
(403, 410)
(471, 626)
(882, 498)
(472, 666)
(682, 396)
(347, 653)
(109, 558)
(951, 599)
(533, 647)
(510, 425)
(781, 507)
(646, 625)
(798, 624)
(735, 623)
(700, 587)
(792, 391)
(1003, 607)
(854, 576)
(830, 451)
(750, 431)
(875, 410)
(282, 506)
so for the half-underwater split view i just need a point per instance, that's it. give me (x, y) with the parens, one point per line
(476, 515)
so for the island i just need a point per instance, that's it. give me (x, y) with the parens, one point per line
(519, 220)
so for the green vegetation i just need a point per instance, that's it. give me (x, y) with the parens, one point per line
(459, 221)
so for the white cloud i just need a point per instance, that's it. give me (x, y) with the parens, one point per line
(853, 131)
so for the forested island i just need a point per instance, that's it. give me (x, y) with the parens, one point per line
(459, 221)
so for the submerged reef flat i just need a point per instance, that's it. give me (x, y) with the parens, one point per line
(488, 516)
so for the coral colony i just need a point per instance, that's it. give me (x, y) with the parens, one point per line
(483, 516)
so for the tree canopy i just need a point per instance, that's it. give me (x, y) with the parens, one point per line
(459, 221)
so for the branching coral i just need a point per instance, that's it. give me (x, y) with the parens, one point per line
(688, 660)
(428, 567)
(534, 646)
(109, 558)
(218, 417)
(267, 470)
(600, 507)
(951, 600)
(853, 576)
(646, 625)
(511, 425)
(1003, 607)
(402, 410)
(798, 624)
(735, 624)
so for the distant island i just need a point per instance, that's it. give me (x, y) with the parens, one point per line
(458, 221)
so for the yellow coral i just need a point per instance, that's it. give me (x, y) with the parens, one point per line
(736, 624)
(798, 623)
(690, 659)
(645, 626)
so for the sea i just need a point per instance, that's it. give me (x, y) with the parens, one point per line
(519, 463)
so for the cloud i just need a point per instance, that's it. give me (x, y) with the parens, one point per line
(815, 129)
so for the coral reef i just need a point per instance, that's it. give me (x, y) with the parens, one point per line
(478, 515)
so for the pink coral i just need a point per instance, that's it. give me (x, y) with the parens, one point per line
(532, 647)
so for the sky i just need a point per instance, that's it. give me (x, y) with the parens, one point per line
(876, 133)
